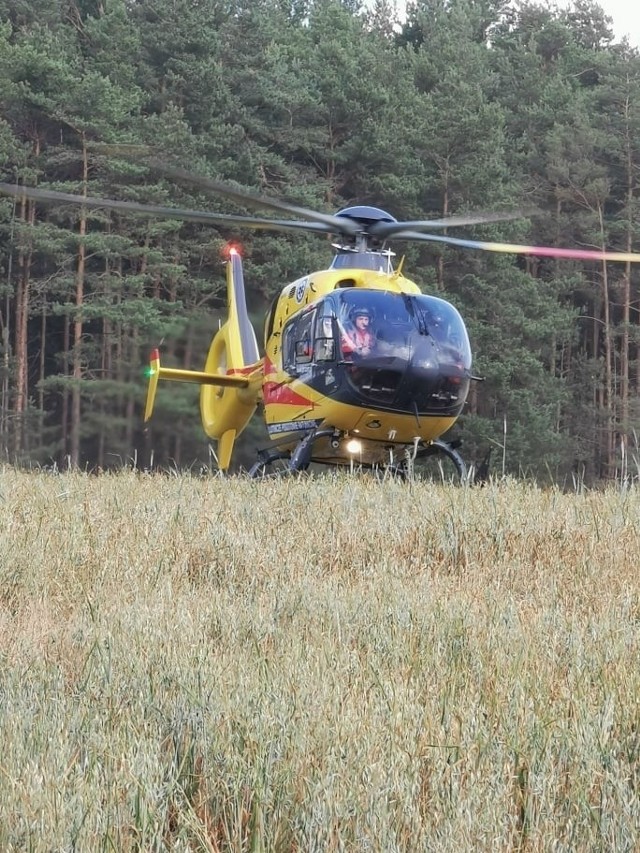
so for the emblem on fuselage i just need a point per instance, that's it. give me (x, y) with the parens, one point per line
(301, 287)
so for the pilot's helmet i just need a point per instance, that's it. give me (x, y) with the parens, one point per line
(361, 312)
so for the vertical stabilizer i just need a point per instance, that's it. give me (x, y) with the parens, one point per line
(226, 411)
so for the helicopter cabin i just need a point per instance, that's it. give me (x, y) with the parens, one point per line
(401, 352)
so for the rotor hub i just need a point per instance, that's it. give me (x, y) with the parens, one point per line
(366, 217)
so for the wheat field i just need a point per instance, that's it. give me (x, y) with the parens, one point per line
(317, 664)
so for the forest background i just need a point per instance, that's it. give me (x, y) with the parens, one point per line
(464, 105)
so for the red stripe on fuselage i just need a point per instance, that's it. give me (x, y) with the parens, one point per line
(278, 392)
(242, 370)
(281, 392)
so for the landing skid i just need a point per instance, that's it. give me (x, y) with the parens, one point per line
(449, 451)
(273, 462)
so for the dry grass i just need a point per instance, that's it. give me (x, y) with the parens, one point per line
(339, 664)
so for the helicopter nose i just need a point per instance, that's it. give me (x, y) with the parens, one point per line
(425, 363)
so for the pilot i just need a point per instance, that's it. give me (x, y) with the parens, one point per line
(358, 339)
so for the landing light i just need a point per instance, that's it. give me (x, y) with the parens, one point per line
(354, 446)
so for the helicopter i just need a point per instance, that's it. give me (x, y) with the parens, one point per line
(359, 367)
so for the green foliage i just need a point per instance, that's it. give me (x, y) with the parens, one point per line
(468, 105)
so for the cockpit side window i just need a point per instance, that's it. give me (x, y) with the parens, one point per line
(325, 343)
(297, 343)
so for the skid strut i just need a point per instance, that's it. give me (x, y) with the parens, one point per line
(293, 462)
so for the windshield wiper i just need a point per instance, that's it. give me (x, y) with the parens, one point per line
(417, 314)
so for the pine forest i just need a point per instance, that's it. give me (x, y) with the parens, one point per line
(462, 105)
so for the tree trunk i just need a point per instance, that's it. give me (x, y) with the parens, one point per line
(66, 344)
(4, 392)
(609, 397)
(444, 167)
(42, 367)
(626, 297)
(5, 322)
(77, 325)
(27, 214)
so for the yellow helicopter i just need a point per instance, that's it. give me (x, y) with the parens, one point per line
(359, 366)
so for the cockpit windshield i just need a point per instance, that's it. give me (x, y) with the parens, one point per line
(379, 323)
(377, 261)
(404, 352)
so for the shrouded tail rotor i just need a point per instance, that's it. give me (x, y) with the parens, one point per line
(231, 381)
(225, 411)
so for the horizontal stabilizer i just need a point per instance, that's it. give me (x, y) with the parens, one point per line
(201, 377)
(250, 377)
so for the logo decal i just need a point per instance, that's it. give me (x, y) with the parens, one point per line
(301, 287)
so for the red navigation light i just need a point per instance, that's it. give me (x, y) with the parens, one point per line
(230, 250)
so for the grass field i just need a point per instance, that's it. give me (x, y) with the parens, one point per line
(336, 664)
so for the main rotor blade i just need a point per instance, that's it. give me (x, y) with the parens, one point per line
(52, 196)
(516, 249)
(338, 224)
(388, 229)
